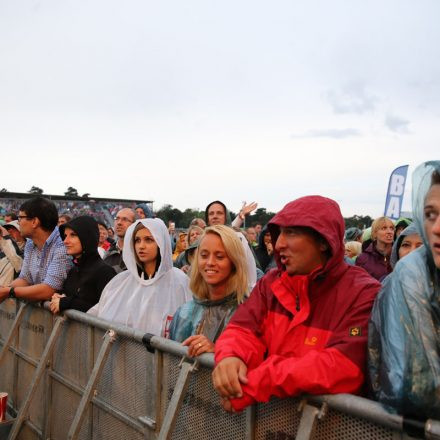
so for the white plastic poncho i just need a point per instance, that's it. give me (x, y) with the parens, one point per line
(146, 305)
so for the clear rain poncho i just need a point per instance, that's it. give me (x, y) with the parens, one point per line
(404, 331)
(145, 304)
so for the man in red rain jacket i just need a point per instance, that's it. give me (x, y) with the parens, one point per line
(304, 327)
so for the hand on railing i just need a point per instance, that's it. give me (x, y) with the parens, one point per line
(55, 303)
(198, 344)
(227, 378)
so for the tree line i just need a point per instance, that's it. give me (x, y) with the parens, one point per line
(261, 215)
(183, 218)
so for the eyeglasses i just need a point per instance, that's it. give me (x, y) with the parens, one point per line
(21, 217)
(123, 219)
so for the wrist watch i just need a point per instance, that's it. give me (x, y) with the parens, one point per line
(12, 293)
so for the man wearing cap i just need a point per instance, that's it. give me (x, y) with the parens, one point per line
(13, 229)
(304, 327)
(11, 252)
(46, 262)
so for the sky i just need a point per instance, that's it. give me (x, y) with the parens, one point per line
(185, 102)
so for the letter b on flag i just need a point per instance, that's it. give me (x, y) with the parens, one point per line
(396, 188)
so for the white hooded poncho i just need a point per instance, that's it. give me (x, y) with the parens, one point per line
(146, 305)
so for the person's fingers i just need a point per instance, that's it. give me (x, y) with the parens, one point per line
(193, 344)
(199, 347)
(226, 404)
(226, 382)
(188, 341)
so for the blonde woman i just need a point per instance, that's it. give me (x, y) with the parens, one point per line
(353, 249)
(181, 245)
(219, 284)
(376, 257)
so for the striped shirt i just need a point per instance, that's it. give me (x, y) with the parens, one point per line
(49, 265)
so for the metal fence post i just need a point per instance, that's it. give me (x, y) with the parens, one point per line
(176, 400)
(74, 430)
(13, 331)
(310, 414)
(37, 377)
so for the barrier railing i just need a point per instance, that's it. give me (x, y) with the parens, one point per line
(80, 377)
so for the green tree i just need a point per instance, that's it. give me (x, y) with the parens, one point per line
(71, 192)
(35, 190)
(358, 221)
(259, 216)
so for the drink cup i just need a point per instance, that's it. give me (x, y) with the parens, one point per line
(3, 402)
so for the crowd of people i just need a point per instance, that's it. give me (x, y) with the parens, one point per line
(299, 305)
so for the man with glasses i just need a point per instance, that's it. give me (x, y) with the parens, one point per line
(124, 218)
(46, 263)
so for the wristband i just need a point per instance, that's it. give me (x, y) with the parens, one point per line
(12, 293)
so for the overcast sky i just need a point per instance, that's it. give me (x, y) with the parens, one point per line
(183, 102)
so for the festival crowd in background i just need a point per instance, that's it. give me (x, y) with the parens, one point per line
(299, 305)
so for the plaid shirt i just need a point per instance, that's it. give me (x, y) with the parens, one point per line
(49, 265)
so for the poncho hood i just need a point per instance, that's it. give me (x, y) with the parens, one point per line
(421, 184)
(160, 234)
(409, 230)
(227, 213)
(147, 211)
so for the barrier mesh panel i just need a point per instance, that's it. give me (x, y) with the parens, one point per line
(73, 353)
(36, 409)
(336, 425)
(26, 433)
(8, 310)
(107, 427)
(128, 379)
(277, 419)
(35, 329)
(7, 315)
(201, 416)
(64, 405)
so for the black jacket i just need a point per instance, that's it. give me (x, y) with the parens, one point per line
(89, 275)
(266, 261)
(113, 258)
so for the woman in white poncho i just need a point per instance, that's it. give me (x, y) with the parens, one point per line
(147, 294)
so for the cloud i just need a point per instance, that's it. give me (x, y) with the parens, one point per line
(397, 124)
(352, 98)
(329, 133)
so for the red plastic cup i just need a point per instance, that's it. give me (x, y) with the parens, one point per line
(3, 406)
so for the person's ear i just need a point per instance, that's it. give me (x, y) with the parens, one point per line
(36, 222)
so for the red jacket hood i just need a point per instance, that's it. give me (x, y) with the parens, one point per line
(316, 212)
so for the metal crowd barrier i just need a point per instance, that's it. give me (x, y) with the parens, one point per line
(79, 377)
